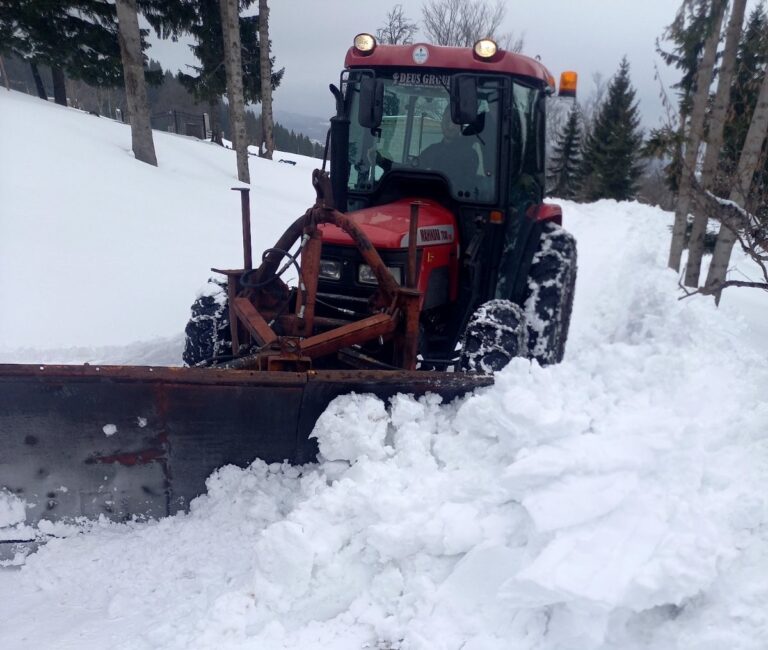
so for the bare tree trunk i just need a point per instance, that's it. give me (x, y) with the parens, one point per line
(748, 160)
(59, 86)
(715, 139)
(213, 111)
(135, 87)
(704, 76)
(38, 81)
(265, 69)
(230, 23)
(5, 75)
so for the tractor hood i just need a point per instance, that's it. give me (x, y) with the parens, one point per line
(387, 225)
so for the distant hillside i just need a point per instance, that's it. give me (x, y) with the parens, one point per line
(314, 127)
(175, 110)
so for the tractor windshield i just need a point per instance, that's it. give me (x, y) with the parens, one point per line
(417, 133)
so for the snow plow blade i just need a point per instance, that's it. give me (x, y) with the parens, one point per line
(124, 441)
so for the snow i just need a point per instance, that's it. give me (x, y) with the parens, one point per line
(138, 243)
(12, 509)
(614, 501)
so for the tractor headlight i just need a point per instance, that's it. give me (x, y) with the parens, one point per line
(330, 269)
(364, 43)
(365, 274)
(485, 48)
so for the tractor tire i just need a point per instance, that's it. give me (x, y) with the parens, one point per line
(549, 295)
(208, 336)
(495, 334)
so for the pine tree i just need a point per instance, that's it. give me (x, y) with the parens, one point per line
(566, 157)
(76, 37)
(687, 34)
(610, 166)
(210, 82)
(743, 184)
(741, 191)
(714, 138)
(751, 65)
(694, 131)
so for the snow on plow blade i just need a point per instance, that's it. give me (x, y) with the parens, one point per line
(123, 441)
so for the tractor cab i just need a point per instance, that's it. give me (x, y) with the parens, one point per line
(459, 133)
(465, 126)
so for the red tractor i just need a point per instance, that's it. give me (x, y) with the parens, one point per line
(430, 246)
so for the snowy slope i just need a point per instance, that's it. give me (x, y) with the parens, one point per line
(111, 249)
(614, 501)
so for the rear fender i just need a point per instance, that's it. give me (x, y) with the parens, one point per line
(536, 216)
(531, 225)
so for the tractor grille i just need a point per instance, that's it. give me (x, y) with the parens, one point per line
(348, 294)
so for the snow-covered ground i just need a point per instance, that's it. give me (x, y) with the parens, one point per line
(617, 500)
(111, 251)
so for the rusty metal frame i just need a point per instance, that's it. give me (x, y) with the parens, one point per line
(253, 312)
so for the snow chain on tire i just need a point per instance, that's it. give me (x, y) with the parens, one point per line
(549, 295)
(495, 334)
(208, 334)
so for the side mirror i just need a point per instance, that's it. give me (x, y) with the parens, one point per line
(463, 99)
(371, 102)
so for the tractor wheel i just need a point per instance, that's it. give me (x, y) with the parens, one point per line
(207, 333)
(495, 334)
(549, 295)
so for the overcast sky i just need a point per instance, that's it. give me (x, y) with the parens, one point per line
(310, 39)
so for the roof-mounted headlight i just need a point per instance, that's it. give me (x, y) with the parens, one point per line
(485, 48)
(364, 43)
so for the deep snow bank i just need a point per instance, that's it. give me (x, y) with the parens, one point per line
(614, 501)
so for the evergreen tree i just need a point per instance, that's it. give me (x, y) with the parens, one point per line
(751, 66)
(694, 133)
(610, 166)
(566, 157)
(76, 37)
(687, 35)
(714, 139)
(209, 83)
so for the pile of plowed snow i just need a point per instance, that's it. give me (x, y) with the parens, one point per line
(616, 500)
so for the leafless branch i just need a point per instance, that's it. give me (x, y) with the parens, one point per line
(462, 22)
(715, 289)
(750, 233)
(398, 29)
